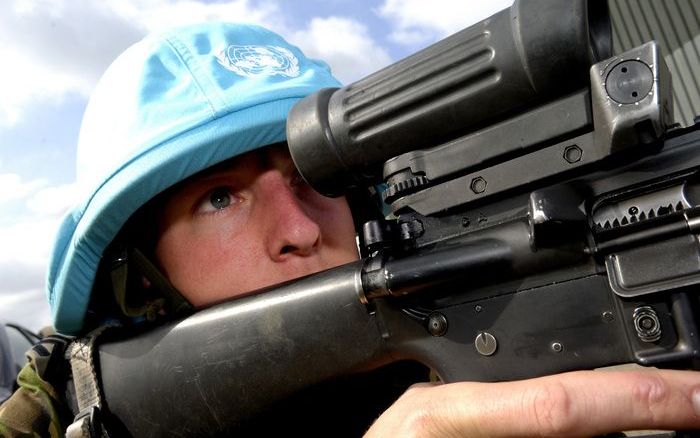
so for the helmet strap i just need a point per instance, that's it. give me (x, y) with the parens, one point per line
(132, 258)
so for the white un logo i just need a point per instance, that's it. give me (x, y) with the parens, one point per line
(255, 61)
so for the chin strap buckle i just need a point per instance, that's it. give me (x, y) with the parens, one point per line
(86, 425)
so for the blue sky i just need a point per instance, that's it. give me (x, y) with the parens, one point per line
(53, 52)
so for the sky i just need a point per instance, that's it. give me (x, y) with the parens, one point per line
(54, 51)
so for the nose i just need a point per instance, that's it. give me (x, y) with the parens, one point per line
(290, 231)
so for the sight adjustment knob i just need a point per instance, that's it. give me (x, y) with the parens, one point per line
(404, 187)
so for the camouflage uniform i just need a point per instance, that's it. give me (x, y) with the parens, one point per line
(37, 408)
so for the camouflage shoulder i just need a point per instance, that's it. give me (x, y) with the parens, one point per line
(37, 407)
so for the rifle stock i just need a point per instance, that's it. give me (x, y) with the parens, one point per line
(232, 360)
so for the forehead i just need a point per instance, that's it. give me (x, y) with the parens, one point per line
(250, 163)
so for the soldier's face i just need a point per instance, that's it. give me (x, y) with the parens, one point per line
(248, 224)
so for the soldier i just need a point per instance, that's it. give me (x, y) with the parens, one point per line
(182, 150)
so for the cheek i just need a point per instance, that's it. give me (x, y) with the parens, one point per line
(206, 267)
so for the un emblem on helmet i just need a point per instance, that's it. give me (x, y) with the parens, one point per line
(256, 61)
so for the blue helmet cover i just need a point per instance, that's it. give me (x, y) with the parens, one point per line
(170, 106)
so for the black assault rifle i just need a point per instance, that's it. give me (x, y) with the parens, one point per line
(544, 218)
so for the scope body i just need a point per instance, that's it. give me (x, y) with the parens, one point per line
(532, 52)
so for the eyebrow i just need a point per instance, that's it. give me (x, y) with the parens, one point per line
(261, 159)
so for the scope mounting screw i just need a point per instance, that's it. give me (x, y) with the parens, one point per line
(573, 154)
(647, 324)
(478, 185)
(608, 316)
(485, 344)
(437, 324)
(557, 347)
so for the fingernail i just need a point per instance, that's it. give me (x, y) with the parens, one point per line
(696, 401)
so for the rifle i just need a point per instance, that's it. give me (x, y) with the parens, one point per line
(544, 218)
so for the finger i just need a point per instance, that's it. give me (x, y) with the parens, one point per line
(576, 404)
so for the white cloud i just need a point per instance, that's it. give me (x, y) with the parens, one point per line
(54, 201)
(420, 21)
(29, 308)
(51, 48)
(31, 214)
(162, 14)
(25, 81)
(18, 277)
(413, 37)
(12, 187)
(23, 258)
(24, 254)
(344, 44)
(26, 245)
(28, 241)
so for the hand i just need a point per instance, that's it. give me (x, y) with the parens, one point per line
(582, 403)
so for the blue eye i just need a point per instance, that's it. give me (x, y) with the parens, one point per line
(216, 200)
(220, 198)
